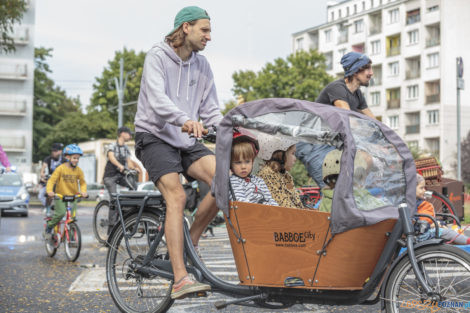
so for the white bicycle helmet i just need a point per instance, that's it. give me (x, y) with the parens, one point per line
(272, 143)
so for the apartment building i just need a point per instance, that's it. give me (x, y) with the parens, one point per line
(413, 45)
(16, 94)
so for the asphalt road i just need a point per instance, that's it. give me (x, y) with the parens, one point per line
(30, 281)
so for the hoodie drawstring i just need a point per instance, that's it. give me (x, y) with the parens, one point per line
(187, 87)
(179, 79)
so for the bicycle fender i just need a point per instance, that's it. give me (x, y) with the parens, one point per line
(426, 243)
(118, 224)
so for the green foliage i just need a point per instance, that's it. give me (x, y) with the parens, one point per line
(11, 12)
(79, 127)
(301, 76)
(300, 175)
(105, 97)
(228, 106)
(50, 104)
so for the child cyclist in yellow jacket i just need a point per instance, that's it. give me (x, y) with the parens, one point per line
(66, 179)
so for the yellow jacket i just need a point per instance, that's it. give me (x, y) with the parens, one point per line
(67, 179)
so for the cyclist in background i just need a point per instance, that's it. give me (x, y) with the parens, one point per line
(118, 155)
(49, 164)
(68, 180)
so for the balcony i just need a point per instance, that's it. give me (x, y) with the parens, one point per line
(13, 71)
(21, 35)
(13, 107)
(375, 30)
(343, 37)
(393, 51)
(13, 143)
(436, 98)
(412, 129)
(412, 74)
(393, 104)
(413, 18)
(434, 41)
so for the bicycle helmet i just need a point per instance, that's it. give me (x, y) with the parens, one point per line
(271, 143)
(242, 135)
(331, 166)
(73, 149)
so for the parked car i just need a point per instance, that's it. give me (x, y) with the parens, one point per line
(14, 198)
(97, 192)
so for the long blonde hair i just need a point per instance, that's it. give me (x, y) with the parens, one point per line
(178, 37)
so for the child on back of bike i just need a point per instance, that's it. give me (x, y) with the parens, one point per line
(244, 186)
(425, 207)
(66, 179)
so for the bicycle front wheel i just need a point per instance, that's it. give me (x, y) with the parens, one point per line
(131, 291)
(101, 221)
(441, 203)
(73, 243)
(445, 268)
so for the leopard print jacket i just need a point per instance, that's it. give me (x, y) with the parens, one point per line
(281, 187)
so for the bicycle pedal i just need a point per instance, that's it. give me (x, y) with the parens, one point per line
(199, 294)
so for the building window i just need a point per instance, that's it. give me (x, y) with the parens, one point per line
(394, 68)
(375, 47)
(328, 35)
(329, 60)
(359, 26)
(433, 60)
(413, 17)
(300, 43)
(433, 8)
(341, 52)
(339, 13)
(413, 144)
(433, 117)
(413, 37)
(363, 5)
(375, 98)
(355, 8)
(332, 15)
(393, 16)
(347, 11)
(393, 122)
(413, 92)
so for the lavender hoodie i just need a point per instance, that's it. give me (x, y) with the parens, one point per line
(173, 91)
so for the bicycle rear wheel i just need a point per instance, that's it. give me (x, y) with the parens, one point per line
(447, 271)
(131, 291)
(442, 204)
(74, 243)
(101, 221)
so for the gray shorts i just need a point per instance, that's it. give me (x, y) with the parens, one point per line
(160, 158)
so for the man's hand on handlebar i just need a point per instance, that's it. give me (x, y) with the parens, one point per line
(84, 194)
(193, 127)
(51, 194)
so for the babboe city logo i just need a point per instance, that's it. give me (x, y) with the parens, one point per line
(434, 306)
(293, 239)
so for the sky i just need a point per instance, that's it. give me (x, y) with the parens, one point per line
(246, 35)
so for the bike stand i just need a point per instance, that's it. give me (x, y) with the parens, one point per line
(222, 303)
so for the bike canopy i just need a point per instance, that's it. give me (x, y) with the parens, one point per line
(377, 171)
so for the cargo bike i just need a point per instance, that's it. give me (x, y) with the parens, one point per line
(285, 256)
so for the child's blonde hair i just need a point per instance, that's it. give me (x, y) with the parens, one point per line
(419, 178)
(242, 150)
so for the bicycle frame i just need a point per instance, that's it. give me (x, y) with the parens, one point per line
(382, 269)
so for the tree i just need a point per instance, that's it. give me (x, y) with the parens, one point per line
(301, 76)
(105, 97)
(465, 158)
(11, 12)
(50, 104)
(78, 127)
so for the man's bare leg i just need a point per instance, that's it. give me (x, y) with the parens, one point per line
(204, 170)
(175, 198)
